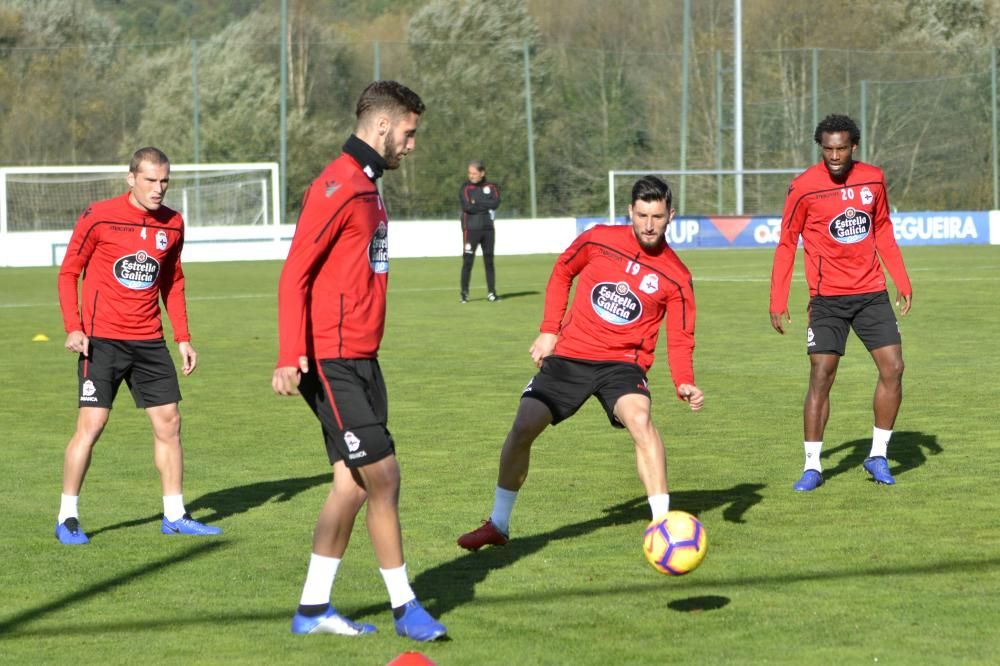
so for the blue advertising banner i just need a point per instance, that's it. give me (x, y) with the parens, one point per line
(916, 228)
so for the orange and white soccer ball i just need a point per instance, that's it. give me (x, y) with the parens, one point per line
(675, 544)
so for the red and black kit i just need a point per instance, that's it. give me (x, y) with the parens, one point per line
(623, 293)
(331, 304)
(331, 296)
(129, 257)
(845, 228)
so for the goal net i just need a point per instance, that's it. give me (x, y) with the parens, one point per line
(707, 192)
(207, 195)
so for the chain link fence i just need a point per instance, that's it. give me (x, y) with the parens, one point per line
(927, 119)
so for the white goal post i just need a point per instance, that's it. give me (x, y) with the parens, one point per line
(51, 198)
(708, 189)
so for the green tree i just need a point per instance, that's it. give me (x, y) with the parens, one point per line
(468, 65)
(60, 60)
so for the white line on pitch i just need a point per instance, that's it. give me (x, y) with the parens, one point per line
(698, 280)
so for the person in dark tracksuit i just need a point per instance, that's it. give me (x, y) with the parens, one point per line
(479, 199)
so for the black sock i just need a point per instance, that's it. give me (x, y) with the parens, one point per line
(312, 610)
(398, 611)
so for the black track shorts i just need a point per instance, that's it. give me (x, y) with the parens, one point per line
(831, 318)
(564, 384)
(349, 398)
(145, 365)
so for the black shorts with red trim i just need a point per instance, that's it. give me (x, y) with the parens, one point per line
(348, 397)
(564, 384)
(144, 365)
(831, 318)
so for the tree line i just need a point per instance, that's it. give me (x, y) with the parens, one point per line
(87, 81)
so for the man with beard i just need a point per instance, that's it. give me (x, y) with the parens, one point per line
(628, 282)
(840, 209)
(331, 317)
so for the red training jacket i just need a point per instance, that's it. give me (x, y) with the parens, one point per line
(129, 257)
(845, 228)
(623, 292)
(331, 295)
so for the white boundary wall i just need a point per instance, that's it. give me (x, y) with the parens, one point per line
(434, 238)
(437, 238)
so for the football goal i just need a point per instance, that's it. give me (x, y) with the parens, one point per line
(709, 191)
(51, 198)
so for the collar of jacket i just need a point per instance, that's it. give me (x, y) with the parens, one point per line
(371, 162)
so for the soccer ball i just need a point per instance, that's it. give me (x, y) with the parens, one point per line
(675, 544)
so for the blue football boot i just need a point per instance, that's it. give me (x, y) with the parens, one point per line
(330, 622)
(69, 533)
(878, 467)
(188, 525)
(811, 480)
(416, 623)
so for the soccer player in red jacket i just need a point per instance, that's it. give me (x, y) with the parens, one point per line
(840, 210)
(129, 251)
(331, 316)
(628, 281)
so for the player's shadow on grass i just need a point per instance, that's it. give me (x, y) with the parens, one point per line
(12, 624)
(231, 501)
(453, 583)
(508, 295)
(906, 452)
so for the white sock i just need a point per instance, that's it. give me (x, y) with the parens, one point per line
(659, 504)
(319, 580)
(503, 505)
(398, 585)
(173, 507)
(880, 442)
(812, 456)
(68, 508)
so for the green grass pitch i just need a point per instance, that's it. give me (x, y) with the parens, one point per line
(852, 573)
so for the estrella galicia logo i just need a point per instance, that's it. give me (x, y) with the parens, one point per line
(616, 303)
(850, 226)
(137, 271)
(378, 249)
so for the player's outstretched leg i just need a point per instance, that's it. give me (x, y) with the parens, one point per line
(329, 622)
(533, 416)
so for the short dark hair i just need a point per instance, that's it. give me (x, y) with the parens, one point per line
(147, 154)
(388, 96)
(651, 188)
(837, 123)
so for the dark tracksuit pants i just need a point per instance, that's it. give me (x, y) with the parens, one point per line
(473, 239)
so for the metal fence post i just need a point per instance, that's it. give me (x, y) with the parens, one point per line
(531, 129)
